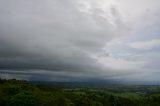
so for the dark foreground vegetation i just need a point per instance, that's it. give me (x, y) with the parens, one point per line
(22, 93)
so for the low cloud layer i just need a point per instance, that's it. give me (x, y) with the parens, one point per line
(70, 40)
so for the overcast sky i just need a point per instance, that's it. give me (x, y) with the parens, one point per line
(73, 40)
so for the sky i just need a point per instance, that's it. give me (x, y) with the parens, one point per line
(77, 40)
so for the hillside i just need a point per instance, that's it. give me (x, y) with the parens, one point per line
(22, 93)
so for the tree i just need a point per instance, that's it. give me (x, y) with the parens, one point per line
(22, 99)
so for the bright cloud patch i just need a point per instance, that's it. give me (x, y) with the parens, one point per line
(146, 45)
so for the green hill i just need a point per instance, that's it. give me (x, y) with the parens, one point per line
(21, 93)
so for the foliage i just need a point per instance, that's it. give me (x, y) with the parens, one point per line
(22, 93)
(22, 99)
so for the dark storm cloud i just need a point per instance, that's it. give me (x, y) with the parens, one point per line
(55, 36)
(50, 35)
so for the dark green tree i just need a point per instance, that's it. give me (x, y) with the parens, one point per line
(22, 99)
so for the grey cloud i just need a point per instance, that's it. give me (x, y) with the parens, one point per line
(55, 36)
